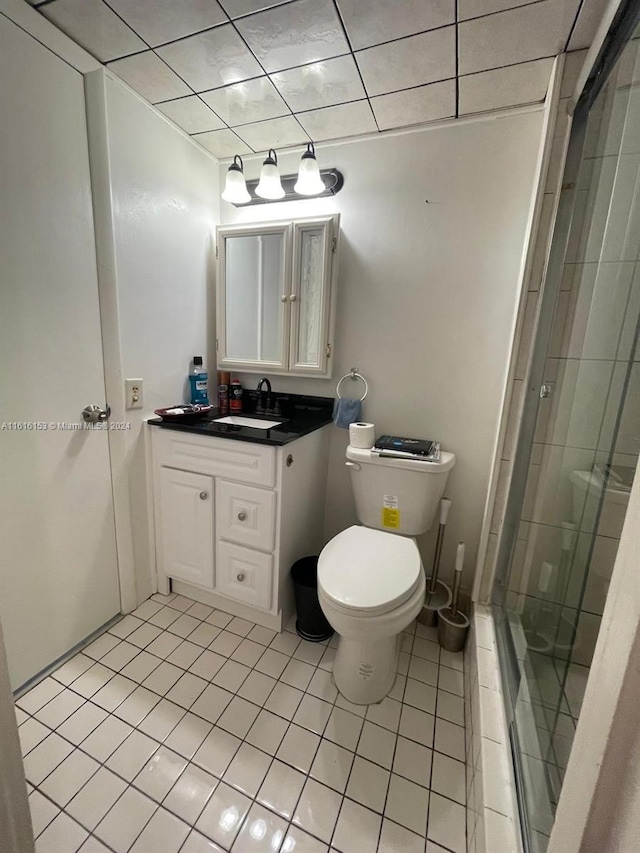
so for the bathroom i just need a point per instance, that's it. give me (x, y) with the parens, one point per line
(449, 341)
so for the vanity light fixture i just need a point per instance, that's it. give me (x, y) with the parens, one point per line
(270, 186)
(235, 187)
(309, 181)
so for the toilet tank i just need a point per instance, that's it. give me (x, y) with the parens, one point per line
(397, 495)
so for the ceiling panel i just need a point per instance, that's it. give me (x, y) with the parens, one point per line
(243, 75)
(295, 34)
(320, 84)
(160, 21)
(94, 26)
(409, 62)
(215, 58)
(370, 23)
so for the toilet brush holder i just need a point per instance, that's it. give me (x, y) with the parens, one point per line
(433, 602)
(453, 625)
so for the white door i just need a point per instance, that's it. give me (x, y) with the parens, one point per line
(58, 569)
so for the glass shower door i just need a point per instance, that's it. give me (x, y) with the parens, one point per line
(578, 448)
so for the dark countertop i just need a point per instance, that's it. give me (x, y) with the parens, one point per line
(299, 415)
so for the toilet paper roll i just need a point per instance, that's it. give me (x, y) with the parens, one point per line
(362, 435)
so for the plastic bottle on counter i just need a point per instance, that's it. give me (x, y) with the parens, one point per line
(235, 397)
(223, 392)
(198, 382)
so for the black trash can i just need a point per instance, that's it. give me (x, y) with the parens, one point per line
(311, 623)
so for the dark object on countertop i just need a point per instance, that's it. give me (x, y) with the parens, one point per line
(184, 413)
(311, 623)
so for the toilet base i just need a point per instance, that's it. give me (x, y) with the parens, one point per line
(365, 672)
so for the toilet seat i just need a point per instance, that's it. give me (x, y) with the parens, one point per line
(368, 572)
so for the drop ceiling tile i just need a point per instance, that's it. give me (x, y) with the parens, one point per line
(477, 8)
(160, 21)
(243, 103)
(338, 122)
(274, 133)
(191, 114)
(409, 62)
(208, 60)
(505, 87)
(414, 106)
(236, 8)
(295, 34)
(321, 84)
(150, 77)
(586, 25)
(370, 23)
(94, 26)
(222, 143)
(518, 35)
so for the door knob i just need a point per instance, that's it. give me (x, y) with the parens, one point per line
(204, 496)
(94, 414)
(293, 297)
(284, 297)
(242, 516)
(240, 576)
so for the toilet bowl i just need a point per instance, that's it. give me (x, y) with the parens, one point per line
(371, 586)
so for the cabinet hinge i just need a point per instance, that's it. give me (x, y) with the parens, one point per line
(328, 350)
(216, 251)
(334, 245)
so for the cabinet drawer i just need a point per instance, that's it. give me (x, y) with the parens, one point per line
(242, 461)
(186, 526)
(245, 515)
(244, 574)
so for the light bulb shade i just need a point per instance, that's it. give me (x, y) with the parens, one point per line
(309, 181)
(235, 187)
(269, 186)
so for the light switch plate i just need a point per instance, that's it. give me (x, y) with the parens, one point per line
(133, 393)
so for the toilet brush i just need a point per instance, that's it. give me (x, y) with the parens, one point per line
(453, 625)
(438, 593)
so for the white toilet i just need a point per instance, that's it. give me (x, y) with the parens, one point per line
(371, 583)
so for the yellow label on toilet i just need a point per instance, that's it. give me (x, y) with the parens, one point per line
(390, 518)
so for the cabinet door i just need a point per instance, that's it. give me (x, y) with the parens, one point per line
(244, 574)
(252, 292)
(314, 246)
(186, 530)
(245, 515)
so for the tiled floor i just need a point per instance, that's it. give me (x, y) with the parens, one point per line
(186, 729)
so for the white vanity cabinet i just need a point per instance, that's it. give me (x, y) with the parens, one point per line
(231, 517)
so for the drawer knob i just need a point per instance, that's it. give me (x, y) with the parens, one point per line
(293, 297)
(204, 496)
(240, 577)
(242, 516)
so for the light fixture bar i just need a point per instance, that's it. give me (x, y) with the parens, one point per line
(332, 179)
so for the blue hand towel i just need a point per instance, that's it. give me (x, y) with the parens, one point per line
(347, 411)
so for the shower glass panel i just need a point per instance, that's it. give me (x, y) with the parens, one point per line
(578, 448)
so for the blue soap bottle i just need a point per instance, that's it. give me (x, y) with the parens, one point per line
(198, 381)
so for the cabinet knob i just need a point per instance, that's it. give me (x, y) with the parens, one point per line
(242, 516)
(284, 297)
(204, 496)
(240, 576)
(293, 297)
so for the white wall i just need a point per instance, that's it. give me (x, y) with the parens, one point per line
(427, 292)
(156, 274)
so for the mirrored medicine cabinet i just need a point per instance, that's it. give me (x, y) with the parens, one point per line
(275, 296)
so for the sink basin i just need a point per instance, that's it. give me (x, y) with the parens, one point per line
(254, 423)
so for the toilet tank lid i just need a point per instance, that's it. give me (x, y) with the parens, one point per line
(366, 457)
(369, 570)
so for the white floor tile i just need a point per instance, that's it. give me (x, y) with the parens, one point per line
(144, 635)
(238, 716)
(211, 703)
(449, 739)
(231, 676)
(448, 777)
(185, 655)
(182, 603)
(368, 784)
(106, 738)
(345, 705)
(343, 728)
(450, 707)
(300, 841)
(73, 669)
(284, 700)
(32, 732)
(223, 815)
(160, 773)
(248, 652)
(164, 645)
(281, 789)
(130, 756)
(124, 822)
(397, 691)
(164, 617)
(184, 625)
(262, 635)
(188, 735)
(407, 804)
(416, 725)
(200, 611)
(298, 748)
(92, 845)
(161, 721)
(272, 663)
(239, 626)
(313, 714)
(93, 801)
(39, 695)
(137, 706)
(357, 830)
(385, 714)
(45, 757)
(190, 794)
(217, 751)
(219, 618)
(426, 649)
(125, 626)
(310, 653)
(42, 810)
(120, 656)
(262, 832)
(322, 686)
(82, 723)
(267, 732)
(451, 680)
(420, 695)
(163, 832)
(225, 644)
(141, 666)
(317, 810)
(332, 765)
(197, 843)
(186, 690)
(147, 609)
(377, 745)
(455, 660)
(423, 670)
(247, 770)
(413, 761)
(63, 833)
(286, 643)
(203, 635)
(207, 665)
(257, 687)
(98, 648)
(447, 823)
(114, 692)
(163, 678)
(397, 839)
(92, 680)
(67, 779)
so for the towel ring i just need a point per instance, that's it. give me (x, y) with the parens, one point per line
(353, 374)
